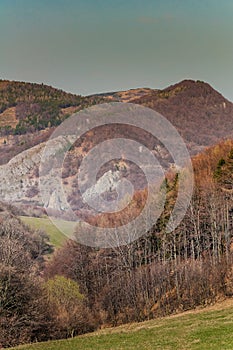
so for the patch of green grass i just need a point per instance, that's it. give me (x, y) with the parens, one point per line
(56, 237)
(206, 329)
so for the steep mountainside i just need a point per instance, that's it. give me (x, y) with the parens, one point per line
(201, 114)
(26, 107)
(30, 112)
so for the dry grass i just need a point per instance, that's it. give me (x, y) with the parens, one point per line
(8, 117)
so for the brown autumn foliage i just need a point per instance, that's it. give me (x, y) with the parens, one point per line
(27, 313)
(156, 275)
(162, 273)
(201, 114)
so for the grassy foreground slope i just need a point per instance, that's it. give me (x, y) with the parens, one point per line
(210, 328)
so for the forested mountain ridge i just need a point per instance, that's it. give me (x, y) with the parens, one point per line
(200, 113)
(29, 107)
(202, 116)
(29, 113)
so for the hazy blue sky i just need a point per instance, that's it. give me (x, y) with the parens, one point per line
(88, 46)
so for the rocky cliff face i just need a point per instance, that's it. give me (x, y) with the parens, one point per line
(19, 175)
(19, 178)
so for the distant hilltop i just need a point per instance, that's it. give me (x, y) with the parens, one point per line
(200, 113)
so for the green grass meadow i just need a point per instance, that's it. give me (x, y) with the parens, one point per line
(56, 237)
(207, 329)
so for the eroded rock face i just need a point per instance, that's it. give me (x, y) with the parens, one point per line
(107, 182)
(19, 178)
(19, 174)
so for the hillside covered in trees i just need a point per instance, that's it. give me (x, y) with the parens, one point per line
(48, 293)
(29, 113)
(200, 113)
(29, 107)
(159, 274)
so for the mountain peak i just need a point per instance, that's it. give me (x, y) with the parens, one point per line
(197, 87)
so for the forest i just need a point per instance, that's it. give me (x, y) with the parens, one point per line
(46, 294)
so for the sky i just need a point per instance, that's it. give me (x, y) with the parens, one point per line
(93, 46)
